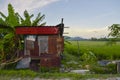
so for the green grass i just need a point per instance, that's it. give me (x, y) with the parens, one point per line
(99, 48)
(30, 75)
(71, 52)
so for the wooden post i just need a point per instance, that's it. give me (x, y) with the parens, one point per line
(118, 67)
(78, 47)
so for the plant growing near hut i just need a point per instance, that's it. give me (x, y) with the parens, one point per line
(11, 42)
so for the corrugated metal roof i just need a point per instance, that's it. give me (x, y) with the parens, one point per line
(37, 30)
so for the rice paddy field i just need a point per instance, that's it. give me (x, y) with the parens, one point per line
(100, 48)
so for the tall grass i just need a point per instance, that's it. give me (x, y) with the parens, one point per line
(99, 48)
(30, 75)
(10, 74)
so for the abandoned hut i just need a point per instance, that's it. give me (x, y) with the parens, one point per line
(43, 46)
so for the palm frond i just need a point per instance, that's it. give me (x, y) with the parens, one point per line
(2, 22)
(38, 19)
(27, 21)
(2, 15)
(12, 19)
(42, 24)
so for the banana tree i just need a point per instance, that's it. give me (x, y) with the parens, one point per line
(10, 41)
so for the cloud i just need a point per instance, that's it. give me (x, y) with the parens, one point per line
(87, 32)
(21, 5)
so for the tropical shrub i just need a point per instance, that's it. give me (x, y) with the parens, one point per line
(108, 69)
(10, 42)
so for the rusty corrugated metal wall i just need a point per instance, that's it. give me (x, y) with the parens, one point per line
(43, 44)
(55, 48)
(52, 45)
(49, 60)
(47, 49)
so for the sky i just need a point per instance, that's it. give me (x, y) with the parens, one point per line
(85, 18)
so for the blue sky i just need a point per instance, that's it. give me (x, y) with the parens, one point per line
(86, 18)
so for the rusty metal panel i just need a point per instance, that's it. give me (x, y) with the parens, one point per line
(56, 44)
(29, 44)
(35, 51)
(60, 45)
(56, 61)
(43, 44)
(48, 60)
(52, 44)
(47, 48)
(45, 62)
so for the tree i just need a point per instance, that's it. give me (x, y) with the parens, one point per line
(114, 33)
(114, 30)
(10, 41)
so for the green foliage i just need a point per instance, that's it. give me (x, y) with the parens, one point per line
(114, 30)
(112, 68)
(72, 49)
(20, 73)
(88, 58)
(39, 19)
(12, 19)
(51, 69)
(99, 48)
(108, 69)
(112, 41)
(27, 21)
(70, 56)
(10, 66)
(90, 53)
(30, 75)
(11, 42)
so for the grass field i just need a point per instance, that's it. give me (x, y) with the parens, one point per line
(30, 75)
(72, 53)
(99, 48)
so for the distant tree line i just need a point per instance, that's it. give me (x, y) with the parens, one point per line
(104, 39)
(114, 34)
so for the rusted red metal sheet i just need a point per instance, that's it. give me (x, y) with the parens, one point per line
(47, 49)
(55, 47)
(30, 44)
(37, 30)
(49, 60)
(60, 44)
(35, 51)
(52, 45)
(43, 44)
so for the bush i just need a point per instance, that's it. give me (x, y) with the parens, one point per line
(10, 66)
(108, 69)
(47, 69)
(112, 68)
